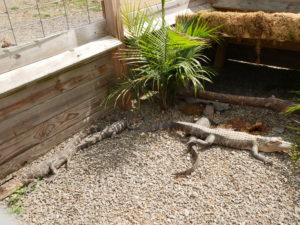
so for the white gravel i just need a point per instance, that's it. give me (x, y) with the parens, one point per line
(128, 180)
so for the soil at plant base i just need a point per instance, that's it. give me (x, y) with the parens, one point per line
(128, 179)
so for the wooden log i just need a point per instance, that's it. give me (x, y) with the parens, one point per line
(272, 103)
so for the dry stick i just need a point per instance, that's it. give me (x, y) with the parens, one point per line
(51, 165)
(272, 102)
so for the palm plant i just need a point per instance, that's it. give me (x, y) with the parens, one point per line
(296, 148)
(161, 58)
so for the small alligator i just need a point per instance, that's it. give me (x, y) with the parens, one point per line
(50, 166)
(229, 138)
(109, 131)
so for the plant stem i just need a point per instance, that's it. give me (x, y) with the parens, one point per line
(163, 13)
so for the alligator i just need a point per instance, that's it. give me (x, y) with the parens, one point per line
(193, 150)
(229, 138)
(107, 132)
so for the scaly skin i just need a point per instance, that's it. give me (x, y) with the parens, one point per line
(109, 131)
(229, 138)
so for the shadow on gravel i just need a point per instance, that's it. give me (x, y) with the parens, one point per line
(259, 81)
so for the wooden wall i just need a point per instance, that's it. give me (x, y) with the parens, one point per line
(53, 88)
(37, 117)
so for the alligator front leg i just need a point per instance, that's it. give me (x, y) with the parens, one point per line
(258, 155)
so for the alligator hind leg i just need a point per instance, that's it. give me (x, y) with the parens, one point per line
(208, 141)
(260, 156)
(193, 150)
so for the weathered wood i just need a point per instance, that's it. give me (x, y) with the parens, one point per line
(50, 87)
(272, 103)
(47, 129)
(113, 18)
(283, 45)
(16, 57)
(40, 149)
(220, 55)
(15, 79)
(20, 123)
(10, 187)
(50, 165)
(268, 56)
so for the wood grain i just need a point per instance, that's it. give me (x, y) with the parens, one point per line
(48, 88)
(44, 69)
(49, 128)
(22, 122)
(40, 149)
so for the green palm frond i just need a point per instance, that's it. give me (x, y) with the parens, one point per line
(197, 28)
(162, 58)
(296, 146)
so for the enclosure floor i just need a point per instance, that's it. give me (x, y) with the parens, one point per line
(128, 180)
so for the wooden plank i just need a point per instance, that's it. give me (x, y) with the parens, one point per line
(49, 88)
(275, 57)
(284, 45)
(20, 123)
(51, 127)
(15, 79)
(220, 55)
(261, 5)
(115, 28)
(113, 18)
(16, 57)
(42, 148)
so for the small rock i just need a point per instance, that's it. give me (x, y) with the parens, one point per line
(278, 130)
(194, 195)
(209, 111)
(186, 212)
(221, 106)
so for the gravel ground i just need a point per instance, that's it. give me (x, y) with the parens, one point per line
(128, 180)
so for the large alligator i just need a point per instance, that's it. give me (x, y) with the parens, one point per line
(229, 138)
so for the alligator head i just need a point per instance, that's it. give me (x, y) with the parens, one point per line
(273, 144)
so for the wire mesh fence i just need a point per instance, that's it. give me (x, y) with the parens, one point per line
(22, 21)
(27, 20)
